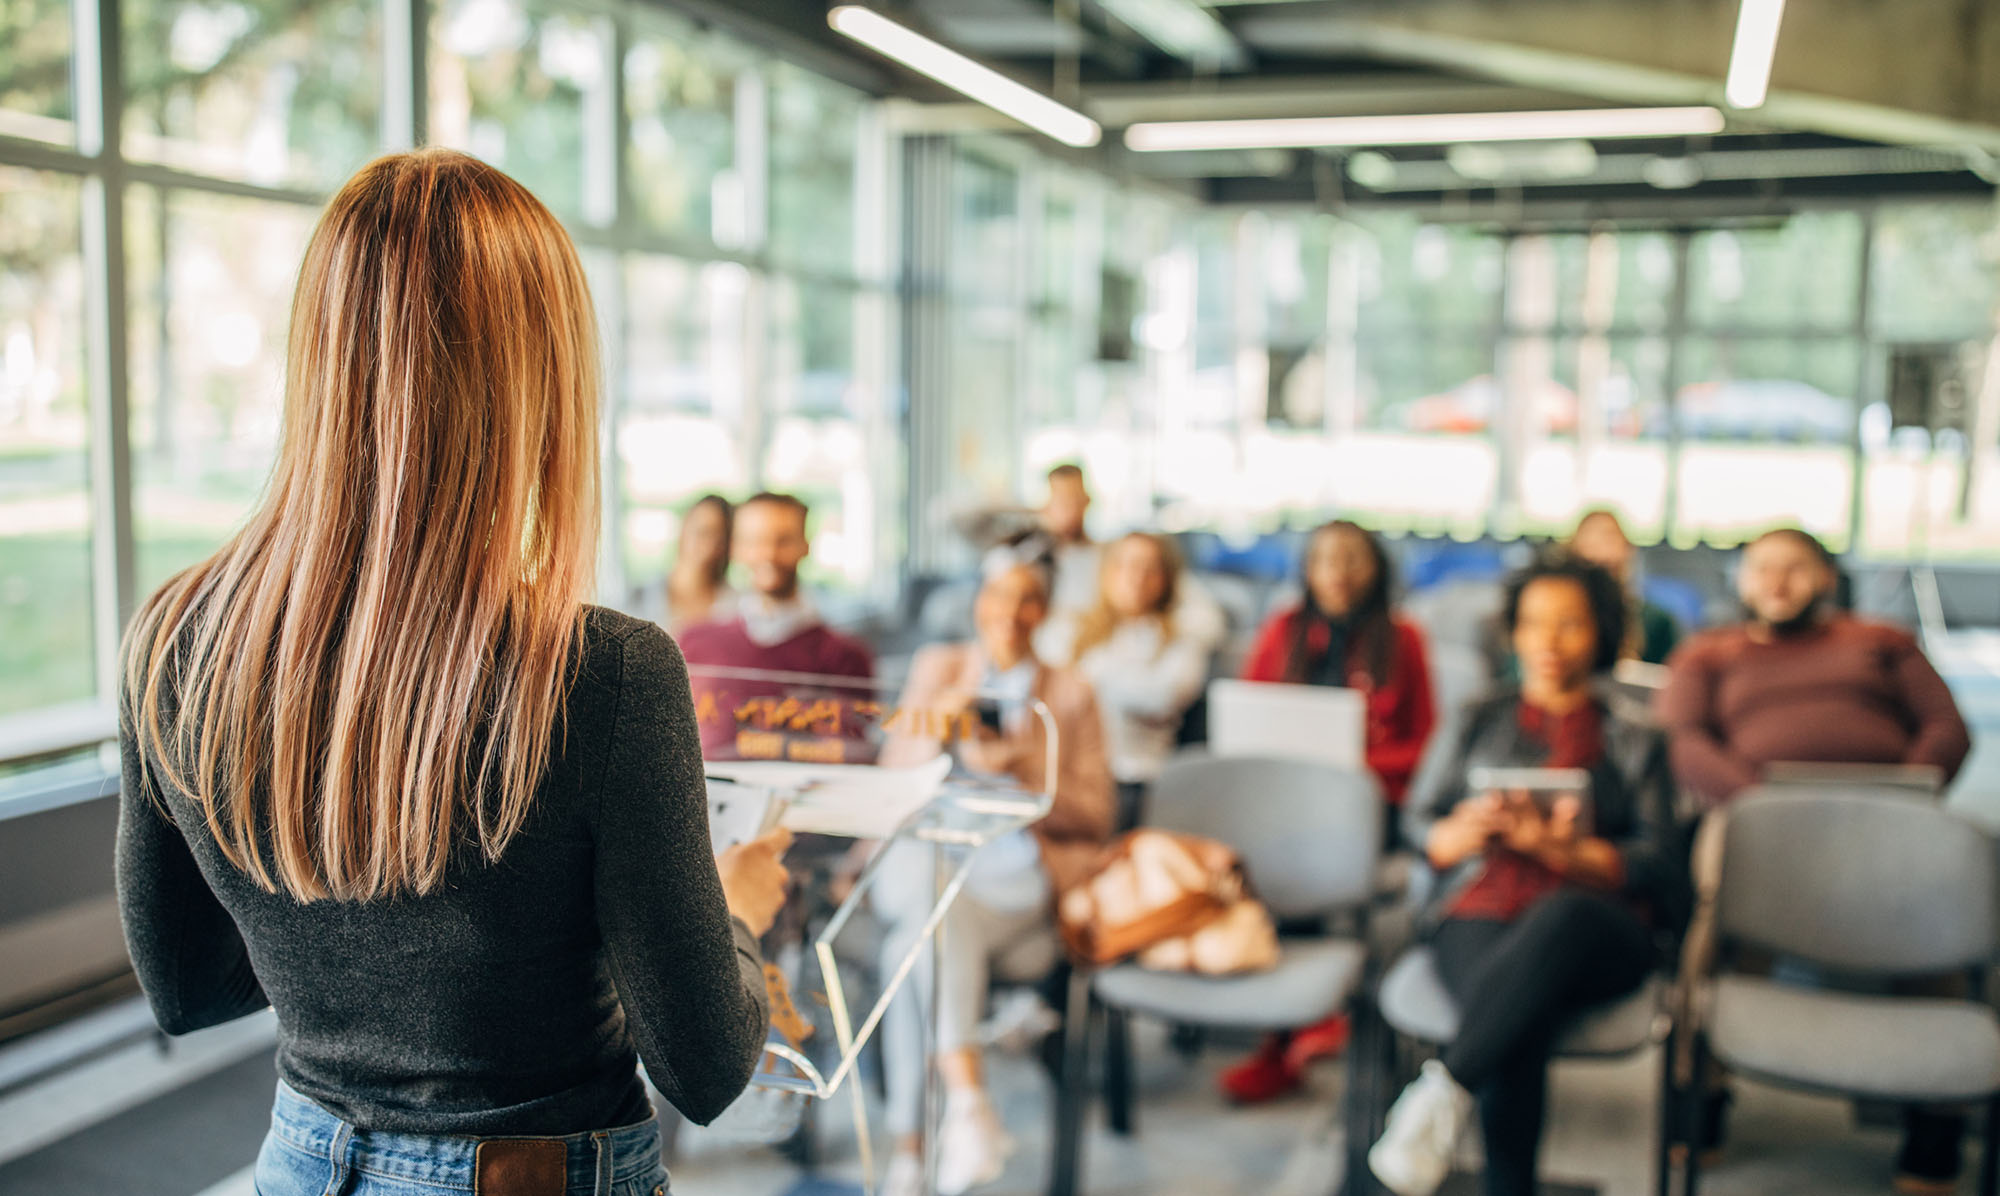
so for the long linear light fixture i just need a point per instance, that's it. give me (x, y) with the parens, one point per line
(963, 75)
(1750, 58)
(1422, 129)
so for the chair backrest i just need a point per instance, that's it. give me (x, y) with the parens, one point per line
(1867, 883)
(1308, 834)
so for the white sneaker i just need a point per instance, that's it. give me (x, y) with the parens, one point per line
(905, 1176)
(1413, 1156)
(1020, 1020)
(972, 1147)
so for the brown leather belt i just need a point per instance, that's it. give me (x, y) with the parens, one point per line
(521, 1167)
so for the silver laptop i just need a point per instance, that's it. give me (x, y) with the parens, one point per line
(1321, 723)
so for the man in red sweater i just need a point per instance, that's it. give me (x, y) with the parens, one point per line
(1801, 682)
(775, 629)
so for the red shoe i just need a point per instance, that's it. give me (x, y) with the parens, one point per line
(1321, 1040)
(1264, 1076)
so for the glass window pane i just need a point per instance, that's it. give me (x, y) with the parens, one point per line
(211, 282)
(272, 91)
(1807, 272)
(681, 98)
(1593, 431)
(1412, 273)
(529, 91)
(1766, 429)
(826, 438)
(681, 400)
(1613, 279)
(814, 128)
(46, 654)
(35, 77)
(1424, 456)
(1936, 271)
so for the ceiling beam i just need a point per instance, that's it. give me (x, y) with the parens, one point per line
(1916, 72)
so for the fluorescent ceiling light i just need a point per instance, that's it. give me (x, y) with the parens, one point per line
(965, 76)
(1423, 129)
(1750, 59)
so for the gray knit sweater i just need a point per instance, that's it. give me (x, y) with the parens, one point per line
(518, 998)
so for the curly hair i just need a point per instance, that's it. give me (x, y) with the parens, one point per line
(1609, 607)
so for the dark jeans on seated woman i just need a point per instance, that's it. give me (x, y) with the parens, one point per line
(1518, 984)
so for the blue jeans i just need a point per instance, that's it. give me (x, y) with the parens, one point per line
(310, 1152)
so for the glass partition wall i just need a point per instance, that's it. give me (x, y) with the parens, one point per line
(161, 165)
(743, 220)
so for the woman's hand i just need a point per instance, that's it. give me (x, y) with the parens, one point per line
(1466, 831)
(754, 879)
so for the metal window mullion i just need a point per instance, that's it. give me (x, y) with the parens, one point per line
(1677, 335)
(99, 106)
(1863, 383)
(405, 74)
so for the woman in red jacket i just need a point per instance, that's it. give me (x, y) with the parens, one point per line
(1343, 633)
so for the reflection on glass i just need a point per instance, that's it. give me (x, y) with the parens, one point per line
(212, 280)
(35, 38)
(527, 91)
(680, 102)
(45, 621)
(1806, 272)
(814, 128)
(272, 91)
(1766, 427)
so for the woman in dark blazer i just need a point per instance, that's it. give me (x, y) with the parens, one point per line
(1538, 913)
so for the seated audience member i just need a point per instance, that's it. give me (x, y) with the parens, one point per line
(1803, 681)
(1075, 558)
(1004, 920)
(696, 587)
(1343, 633)
(775, 628)
(1145, 651)
(1650, 632)
(1538, 915)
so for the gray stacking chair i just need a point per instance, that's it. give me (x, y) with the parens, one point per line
(1308, 835)
(1871, 887)
(1414, 1004)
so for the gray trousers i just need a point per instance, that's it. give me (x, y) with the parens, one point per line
(982, 940)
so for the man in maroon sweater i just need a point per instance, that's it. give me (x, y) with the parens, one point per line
(775, 629)
(1802, 682)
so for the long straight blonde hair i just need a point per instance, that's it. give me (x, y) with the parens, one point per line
(370, 674)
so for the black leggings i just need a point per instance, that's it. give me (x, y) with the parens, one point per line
(1518, 983)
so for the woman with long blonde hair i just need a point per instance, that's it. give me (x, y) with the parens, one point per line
(386, 772)
(1145, 647)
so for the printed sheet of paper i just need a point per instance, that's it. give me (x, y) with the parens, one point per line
(738, 812)
(857, 801)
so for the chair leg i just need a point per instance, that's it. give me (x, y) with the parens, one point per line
(1371, 1061)
(1989, 1162)
(1691, 1102)
(1663, 1159)
(1118, 1083)
(1072, 1090)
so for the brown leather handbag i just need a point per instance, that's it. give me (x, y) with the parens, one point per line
(1176, 901)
